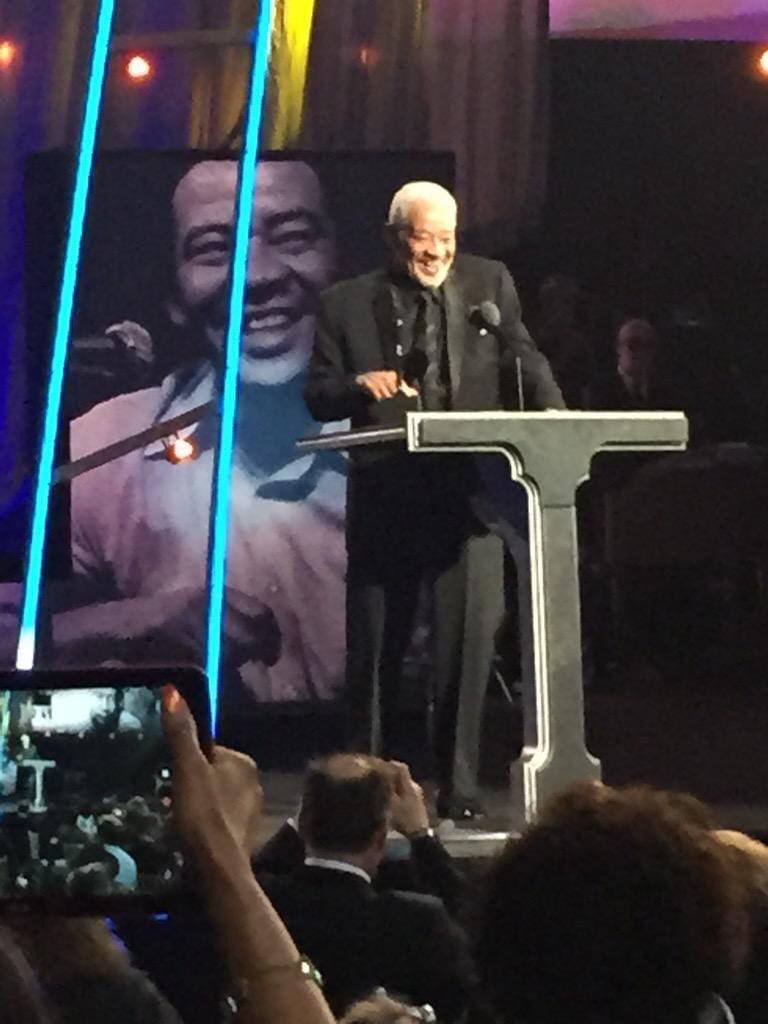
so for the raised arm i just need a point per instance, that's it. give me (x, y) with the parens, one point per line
(214, 806)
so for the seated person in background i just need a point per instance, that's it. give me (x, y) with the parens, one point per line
(616, 906)
(635, 380)
(427, 869)
(361, 939)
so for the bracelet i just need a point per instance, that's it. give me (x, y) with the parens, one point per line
(304, 967)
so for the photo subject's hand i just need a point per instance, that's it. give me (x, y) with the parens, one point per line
(380, 384)
(217, 804)
(409, 811)
(251, 629)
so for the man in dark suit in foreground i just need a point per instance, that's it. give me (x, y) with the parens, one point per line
(358, 938)
(436, 331)
(424, 865)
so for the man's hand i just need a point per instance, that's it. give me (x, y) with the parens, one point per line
(217, 804)
(409, 812)
(250, 630)
(380, 384)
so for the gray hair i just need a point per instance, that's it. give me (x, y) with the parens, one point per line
(415, 192)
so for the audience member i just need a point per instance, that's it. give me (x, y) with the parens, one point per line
(634, 380)
(618, 906)
(429, 868)
(750, 1001)
(359, 938)
(86, 976)
(21, 1001)
(215, 803)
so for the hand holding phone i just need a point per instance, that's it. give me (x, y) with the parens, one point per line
(217, 800)
(85, 789)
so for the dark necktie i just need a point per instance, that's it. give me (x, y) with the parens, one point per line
(426, 336)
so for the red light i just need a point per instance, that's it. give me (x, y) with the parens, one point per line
(762, 63)
(138, 68)
(7, 53)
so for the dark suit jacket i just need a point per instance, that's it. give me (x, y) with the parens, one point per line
(420, 507)
(361, 939)
(359, 330)
(429, 869)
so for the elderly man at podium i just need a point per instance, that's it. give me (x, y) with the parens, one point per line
(437, 331)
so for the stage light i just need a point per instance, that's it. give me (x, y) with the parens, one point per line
(8, 52)
(25, 650)
(762, 63)
(180, 449)
(219, 534)
(139, 68)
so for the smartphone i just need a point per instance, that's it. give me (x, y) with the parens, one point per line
(85, 790)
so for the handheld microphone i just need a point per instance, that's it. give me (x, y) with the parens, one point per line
(103, 365)
(415, 364)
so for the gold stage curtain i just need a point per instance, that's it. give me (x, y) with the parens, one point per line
(462, 75)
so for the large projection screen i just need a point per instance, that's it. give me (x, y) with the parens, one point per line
(734, 20)
(128, 568)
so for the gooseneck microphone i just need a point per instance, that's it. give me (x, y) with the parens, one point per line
(487, 316)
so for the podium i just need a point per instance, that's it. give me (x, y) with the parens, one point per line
(549, 453)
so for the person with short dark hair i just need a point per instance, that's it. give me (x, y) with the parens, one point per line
(345, 802)
(616, 906)
(359, 938)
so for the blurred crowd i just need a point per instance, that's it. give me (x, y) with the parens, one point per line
(89, 848)
(625, 906)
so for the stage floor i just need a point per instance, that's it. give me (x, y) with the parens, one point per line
(702, 736)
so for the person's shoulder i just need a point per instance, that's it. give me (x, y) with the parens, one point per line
(469, 265)
(359, 286)
(416, 905)
(113, 420)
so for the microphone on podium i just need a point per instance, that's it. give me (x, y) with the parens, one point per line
(487, 316)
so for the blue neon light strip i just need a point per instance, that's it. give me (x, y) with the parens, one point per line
(220, 498)
(25, 652)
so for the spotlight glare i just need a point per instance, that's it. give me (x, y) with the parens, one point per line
(180, 449)
(762, 63)
(138, 68)
(7, 53)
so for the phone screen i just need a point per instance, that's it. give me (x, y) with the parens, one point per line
(85, 799)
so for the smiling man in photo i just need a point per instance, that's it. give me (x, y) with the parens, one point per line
(140, 523)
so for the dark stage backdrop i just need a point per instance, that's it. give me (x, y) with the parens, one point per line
(128, 555)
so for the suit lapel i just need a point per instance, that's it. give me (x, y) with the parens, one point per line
(455, 328)
(386, 319)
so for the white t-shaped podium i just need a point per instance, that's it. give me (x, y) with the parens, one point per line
(549, 453)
